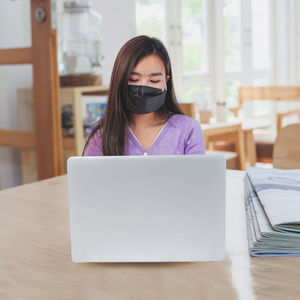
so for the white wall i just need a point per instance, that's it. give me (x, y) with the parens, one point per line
(118, 27)
(15, 16)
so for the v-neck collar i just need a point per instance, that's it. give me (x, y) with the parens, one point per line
(156, 140)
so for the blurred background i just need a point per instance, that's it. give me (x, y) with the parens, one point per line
(215, 46)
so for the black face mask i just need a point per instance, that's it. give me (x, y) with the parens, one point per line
(146, 99)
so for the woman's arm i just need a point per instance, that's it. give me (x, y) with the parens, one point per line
(194, 143)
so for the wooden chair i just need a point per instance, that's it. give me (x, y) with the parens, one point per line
(189, 109)
(205, 116)
(286, 153)
(232, 133)
(282, 116)
(265, 141)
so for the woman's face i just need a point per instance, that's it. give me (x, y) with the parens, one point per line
(149, 71)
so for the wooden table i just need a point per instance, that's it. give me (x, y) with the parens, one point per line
(35, 260)
(247, 126)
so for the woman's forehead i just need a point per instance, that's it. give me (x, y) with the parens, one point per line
(150, 65)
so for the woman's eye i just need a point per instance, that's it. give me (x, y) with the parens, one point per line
(133, 80)
(155, 81)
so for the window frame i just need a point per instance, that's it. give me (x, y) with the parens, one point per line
(216, 77)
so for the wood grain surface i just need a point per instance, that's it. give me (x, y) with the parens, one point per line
(35, 258)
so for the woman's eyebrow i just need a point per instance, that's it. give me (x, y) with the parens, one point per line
(152, 74)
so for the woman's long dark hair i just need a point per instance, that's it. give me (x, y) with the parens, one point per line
(112, 127)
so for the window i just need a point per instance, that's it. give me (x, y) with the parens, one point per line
(194, 52)
(150, 17)
(232, 35)
(215, 45)
(260, 30)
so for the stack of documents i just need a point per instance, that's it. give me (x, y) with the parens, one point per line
(272, 201)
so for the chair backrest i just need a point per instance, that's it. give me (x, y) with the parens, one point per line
(248, 93)
(269, 93)
(189, 109)
(286, 152)
(281, 116)
(205, 116)
(289, 94)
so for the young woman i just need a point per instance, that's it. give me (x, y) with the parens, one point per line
(142, 115)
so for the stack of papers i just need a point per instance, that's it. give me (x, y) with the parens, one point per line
(272, 201)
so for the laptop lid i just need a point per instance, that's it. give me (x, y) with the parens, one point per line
(147, 208)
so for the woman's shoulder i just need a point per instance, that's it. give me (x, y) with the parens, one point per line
(183, 121)
(190, 131)
(94, 144)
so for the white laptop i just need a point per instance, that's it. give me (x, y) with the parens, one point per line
(147, 208)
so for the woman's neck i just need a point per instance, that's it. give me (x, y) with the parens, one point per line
(145, 120)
